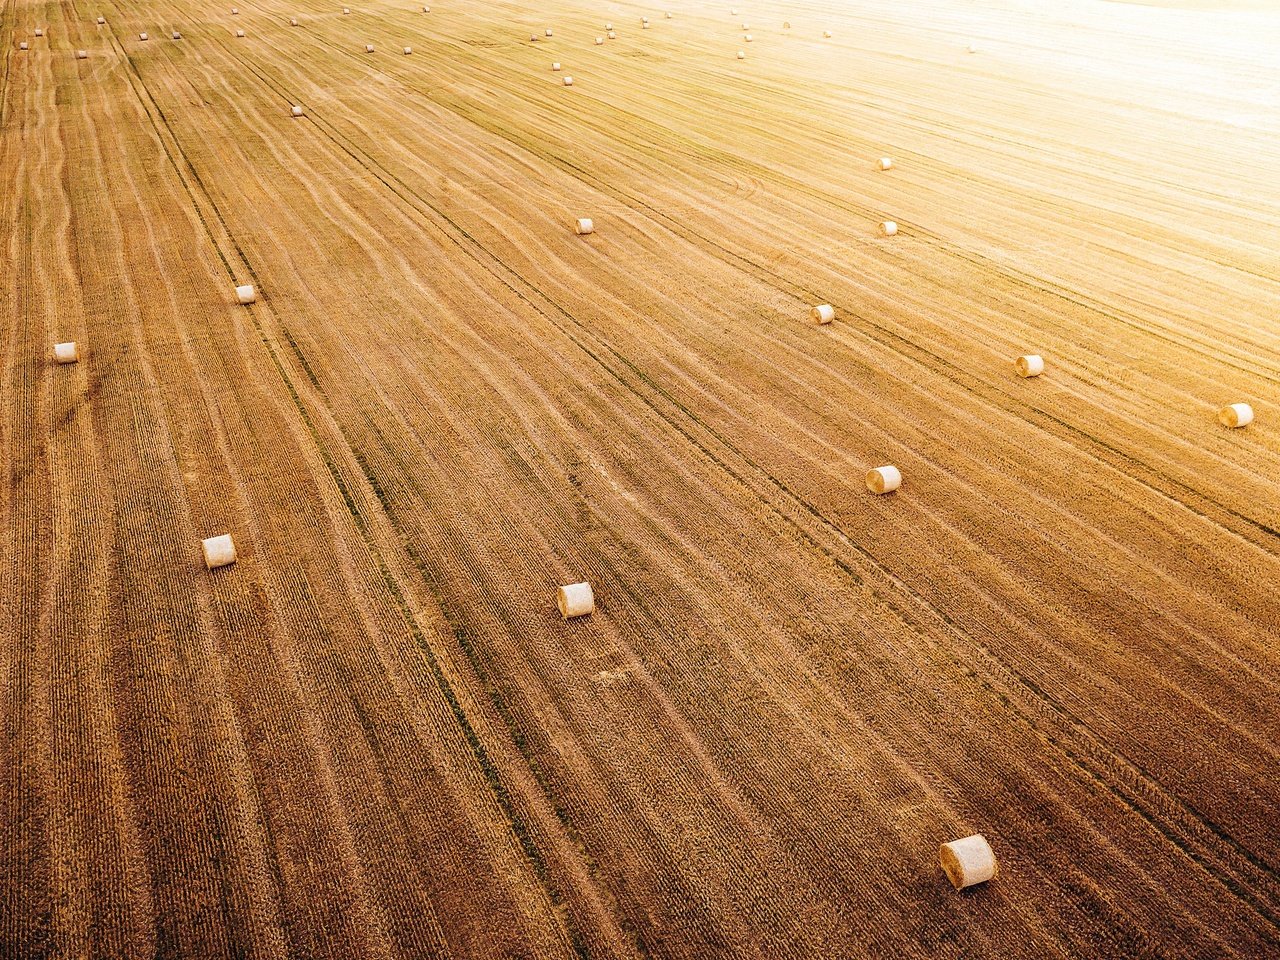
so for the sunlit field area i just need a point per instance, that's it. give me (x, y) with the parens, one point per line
(578, 479)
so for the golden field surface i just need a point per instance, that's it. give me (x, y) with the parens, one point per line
(375, 735)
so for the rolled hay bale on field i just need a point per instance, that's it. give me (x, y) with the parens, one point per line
(742, 54)
(346, 11)
(583, 226)
(82, 54)
(235, 11)
(608, 27)
(368, 48)
(884, 479)
(426, 9)
(645, 25)
(218, 551)
(296, 110)
(827, 34)
(972, 49)
(669, 14)
(1030, 365)
(39, 31)
(888, 228)
(746, 26)
(556, 65)
(177, 35)
(568, 81)
(733, 12)
(823, 313)
(599, 41)
(575, 600)
(786, 24)
(22, 45)
(101, 21)
(142, 36)
(747, 38)
(533, 38)
(886, 163)
(293, 22)
(68, 352)
(239, 33)
(408, 51)
(644, 19)
(1236, 415)
(968, 861)
(246, 294)
(611, 35)
(548, 33)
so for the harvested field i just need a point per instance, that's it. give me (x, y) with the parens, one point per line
(375, 735)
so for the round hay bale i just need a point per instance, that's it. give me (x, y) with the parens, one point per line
(296, 110)
(968, 861)
(611, 35)
(101, 21)
(827, 34)
(68, 352)
(575, 600)
(742, 54)
(1031, 365)
(884, 479)
(888, 228)
(82, 54)
(568, 81)
(368, 48)
(239, 33)
(219, 551)
(408, 51)
(246, 294)
(747, 38)
(177, 35)
(599, 41)
(22, 45)
(584, 226)
(823, 313)
(886, 163)
(1236, 415)
(548, 33)
(142, 36)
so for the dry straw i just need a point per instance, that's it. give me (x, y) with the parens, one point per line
(747, 38)
(742, 54)
(39, 31)
(568, 81)
(888, 228)
(823, 313)
(82, 54)
(101, 21)
(599, 41)
(296, 110)
(886, 163)
(142, 36)
(68, 352)
(1030, 365)
(968, 861)
(575, 600)
(368, 48)
(219, 551)
(408, 50)
(22, 45)
(884, 479)
(584, 226)
(548, 33)
(611, 35)
(239, 33)
(1236, 415)
(556, 65)
(246, 293)
(177, 35)
(827, 34)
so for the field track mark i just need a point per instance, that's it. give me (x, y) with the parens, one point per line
(502, 796)
(1144, 787)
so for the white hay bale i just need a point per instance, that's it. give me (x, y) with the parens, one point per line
(293, 22)
(142, 36)
(968, 861)
(827, 34)
(746, 26)
(568, 81)
(972, 49)
(39, 31)
(555, 66)
(599, 41)
(733, 12)
(82, 54)
(235, 11)
(239, 33)
(22, 45)
(548, 33)
(608, 27)
(533, 38)
(888, 228)
(346, 11)
(368, 48)
(886, 163)
(68, 352)
(246, 293)
(426, 9)
(644, 19)
(408, 51)
(669, 14)
(177, 35)
(611, 35)
(1030, 365)
(884, 479)
(823, 313)
(747, 38)
(296, 110)
(218, 551)
(101, 21)
(575, 600)
(1236, 415)
(645, 25)
(742, 54)
(786, 24)
(584, 226)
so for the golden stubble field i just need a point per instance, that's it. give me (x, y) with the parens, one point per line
(375, 736)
